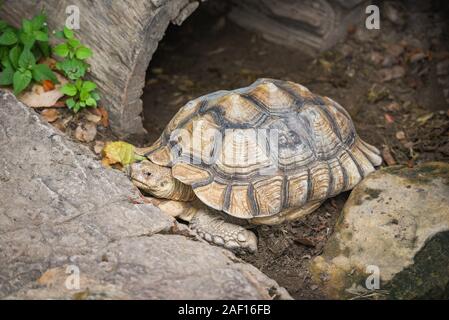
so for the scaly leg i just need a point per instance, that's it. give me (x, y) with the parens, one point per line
(213, 228)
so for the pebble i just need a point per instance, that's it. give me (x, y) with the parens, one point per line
(388, 74)
(86, 132)
(400, 135)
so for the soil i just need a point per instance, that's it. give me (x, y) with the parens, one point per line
(406, 117)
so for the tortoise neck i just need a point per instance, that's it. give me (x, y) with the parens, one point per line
(181, 192)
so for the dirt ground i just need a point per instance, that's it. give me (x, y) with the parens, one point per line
(394, 82)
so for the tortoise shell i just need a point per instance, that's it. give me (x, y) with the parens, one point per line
(257, 151)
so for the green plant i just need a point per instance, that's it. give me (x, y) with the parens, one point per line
(82, 94)
(74, 66)
(19, 51)
(74, 54)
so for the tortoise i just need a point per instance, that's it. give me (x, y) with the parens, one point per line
(218, 166)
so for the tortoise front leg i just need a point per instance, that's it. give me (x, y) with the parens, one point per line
(213, 228)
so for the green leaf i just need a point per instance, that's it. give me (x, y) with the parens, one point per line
(21, 80)
(74, 43)
(82, 104)
(27, 39)
(3, 52)
(89, 86)
(6, 76)
(68, 33)
(73, 69)
(77, 107)
(27, 26)
(45, 48)
(79, 84)
(3, 25)
(84, 95)
(41, 36)
(8, 38)
(95, 95)
(43, 72)
(38, 21)
(27, 60)
(69, 89)
(91, 102)
(61, 50)
(70, 103)
(83, 53)
(6, 62)
(14, 55)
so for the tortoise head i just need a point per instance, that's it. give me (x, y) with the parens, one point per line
(152, 179)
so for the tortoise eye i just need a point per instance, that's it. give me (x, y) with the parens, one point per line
(148, 174)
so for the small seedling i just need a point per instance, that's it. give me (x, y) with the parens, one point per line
(82, 94)
(74, 54)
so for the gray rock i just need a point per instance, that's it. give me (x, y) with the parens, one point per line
(62, 212)
(396, 223)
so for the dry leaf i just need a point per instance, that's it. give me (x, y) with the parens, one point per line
(93, 117)
(100, 111)
(98, 147)
(388, 74)
(59, 104)
(48, 85)
(387, 156)
(394, 49)
(119, 152)
(50, 62)
(423, 119)
(304, 241)
(388, 118)
(37, 97)
(86, 132)
(51, 115)
(394, 106)
(326, 65)
(400, 135)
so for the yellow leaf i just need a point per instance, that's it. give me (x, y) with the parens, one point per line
(423, 119)
(119, 152)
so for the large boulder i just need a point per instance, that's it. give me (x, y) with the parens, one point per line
(65, 220)
(392, 240)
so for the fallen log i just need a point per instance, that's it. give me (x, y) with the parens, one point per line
(311, 26)
(123, 36)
